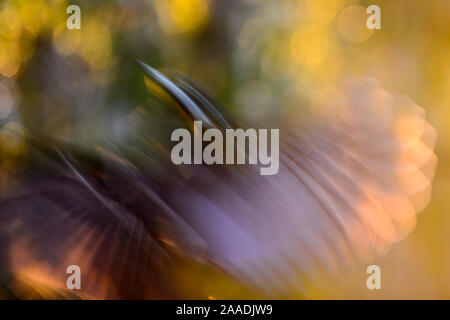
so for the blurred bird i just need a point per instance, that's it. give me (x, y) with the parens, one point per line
(355, 169)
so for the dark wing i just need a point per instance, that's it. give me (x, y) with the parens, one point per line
(95, 212)
(354, 171)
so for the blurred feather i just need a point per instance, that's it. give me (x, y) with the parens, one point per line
(354, 171)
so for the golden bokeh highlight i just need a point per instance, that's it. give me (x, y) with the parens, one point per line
(96, 43)
(10, 23)
(182, 16)
(322, 12)
(352, 24)
(309, 45)
(66, 42)
(10, 58)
